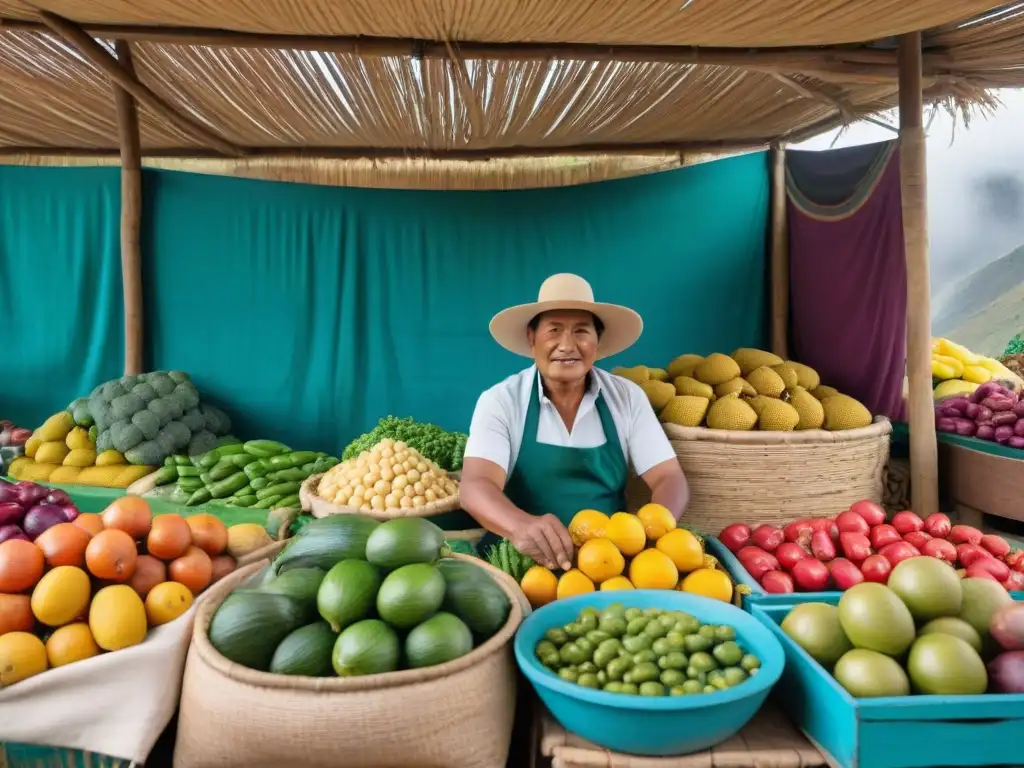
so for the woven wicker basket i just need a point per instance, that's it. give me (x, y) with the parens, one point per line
(773, 477)
(457, 714)
(317, 506)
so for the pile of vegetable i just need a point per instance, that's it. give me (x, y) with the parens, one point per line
(445, 449)
(857, 545)
(927, 632)
(991, 412)
(957, 371)
(646, 652)
(261, 474)
(350, 596)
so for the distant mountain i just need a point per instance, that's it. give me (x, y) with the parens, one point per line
(984, 310)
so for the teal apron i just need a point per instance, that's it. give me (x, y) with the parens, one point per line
(551, 479)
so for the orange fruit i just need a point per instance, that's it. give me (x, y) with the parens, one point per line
(71, 643)
(89, 522)
(194, 569)
(652, 569)
(708, 583)
(208, 533)
(169, 537)
(600, 560)
(617, 583)
(573, 582)
(626, 532)
(16, 614)
(21, 565)
(64, 544)
(130, 514)
(657, 520)
(586, 525)
(683, 548)
(21, 656)
(167, 602)
(148, 573)
(112, 555)
(539, 585)
(222, 566)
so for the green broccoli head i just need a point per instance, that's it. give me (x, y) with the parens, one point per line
(194, 420)
(125, 435)
(216, 420)
(187, 395)
(161, 383)
(147, 422)
(125, 406)
(149, 452)
(144, 392)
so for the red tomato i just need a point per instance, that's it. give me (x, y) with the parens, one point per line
(777, 583)
(898, 552)
(794, 530)
(941, 549)
(964, 534)
(757, 561)
(996, 545)
(789, 554)
(1000, 570)
(822, 547)
(851, 522)
(917, 539)
(872, 513)
(907, 522)
(969, 554)
(855, 546)
(767, 537)
(826, 525)
(735, 536)
(876, 568)
(844, 573)
(937, 525)
(811, 575)
(884, 534)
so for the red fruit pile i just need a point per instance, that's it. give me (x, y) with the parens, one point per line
(820, 554)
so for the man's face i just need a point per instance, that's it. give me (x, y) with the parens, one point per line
(564, 345)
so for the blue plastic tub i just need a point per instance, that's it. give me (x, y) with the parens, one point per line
(656, 726)
(890, 732)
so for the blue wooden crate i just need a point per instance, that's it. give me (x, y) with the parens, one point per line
(890, 732)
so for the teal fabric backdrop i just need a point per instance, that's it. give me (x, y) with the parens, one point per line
(61, 303)
(309, 312)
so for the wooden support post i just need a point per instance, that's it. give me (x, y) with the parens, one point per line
(131, 215)
(779, 255)
(924, 457)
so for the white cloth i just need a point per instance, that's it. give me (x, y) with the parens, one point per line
(496, 432)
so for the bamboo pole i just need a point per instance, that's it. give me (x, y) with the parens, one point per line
(131, 214)
(924, 457)
(779, 255)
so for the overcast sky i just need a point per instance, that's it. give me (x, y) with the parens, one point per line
(975, 185)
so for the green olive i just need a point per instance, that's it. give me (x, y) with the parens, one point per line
(613, 686)
(643, 672)
(728, 654)
(713, 675)
(661, 646)
(615, 626)
(707, 631)
(655, 629)
(603, 655)
(691, 687)
(589, 611)
(618, 667)
(571, 654)
(602, 677)
(630, 688)
(632, 613)
(597, 636)
(735, 676)
(588, 622)
(634, 643)
(667, 620)
(702, 661)
(550, 659)
(652, 688)
(696, 643)
(574, 629)
(588, 680)
(641, 657)
(721, 683)
(750, 662)
(636, 626)
(557, 635)
(587, 666)
(544, 647)
(687, 624)
(652, 612)
(677, 690)
(710, 689)
(724, 633)
(585, 645)
(674, 660)
(672, 677)
(569, 673)
(615, 609)
(676, 641)
(696, 674)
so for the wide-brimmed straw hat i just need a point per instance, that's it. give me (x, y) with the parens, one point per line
(622, 326)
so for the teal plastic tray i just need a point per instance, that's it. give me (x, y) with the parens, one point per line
(890, 732)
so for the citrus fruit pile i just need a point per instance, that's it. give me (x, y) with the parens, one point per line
(100, 583)
(625, 551)
(647, 652)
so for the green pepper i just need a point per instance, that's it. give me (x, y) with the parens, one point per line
(230, 449)
(255, 469)
(245, 491)
(278, 489)
(243, 501)
(207, 480)
(168, 473)
(187, 471)
(265, 448)
(199, 497)
(304, 457)
(266, 503)
(190, 484)
(309, 467)
(241, 460)
(283, 475)
(283, 461)
(224, 468)
(258, 483)
(229, 485)
(209, 459)
(169, 461)
(182, 461)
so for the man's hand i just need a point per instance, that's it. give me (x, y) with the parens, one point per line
(544, 539)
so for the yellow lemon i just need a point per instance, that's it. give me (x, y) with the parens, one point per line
(22, 655)
(708, 583)
(587, 524)
(616, 583)
(683, 548)
(656, 519)
(600, 560)
(626, 532)
(539, 585)
(166, 602)
(652, 569)
(574, 582)
(72, 642)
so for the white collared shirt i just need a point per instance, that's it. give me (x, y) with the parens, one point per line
(496, 432)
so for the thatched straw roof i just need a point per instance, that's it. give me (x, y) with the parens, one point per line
(508, 78)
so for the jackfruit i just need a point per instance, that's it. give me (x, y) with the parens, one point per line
(716, 369)
(687, 386)
(788, 374)
(730, 412)
(638, 374)
(683, 365)
(735, 385)
(843, 412)
(685, 411)
(806, 376)
(809, 410)
(750, 359)
(821, 392)
(767, 381)
(55, 428)
(657, 374)
(757, 403)
(777, 416)
(658, 392)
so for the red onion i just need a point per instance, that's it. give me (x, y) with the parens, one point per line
(70, 512)
(11, 532)
(42, 517)
(1003, 435)
(966, 427)
(1006, 672)
(958, 404)
(8, 493)
(1019, 409)
(947, 424)
(1004, 419)
(995, 403)
(58, 497)
(986, 432)
(11, 513)
(1018, 428)
(1016, 442)
(30, 494)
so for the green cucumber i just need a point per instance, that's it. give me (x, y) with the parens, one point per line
(223, 468)
(190, 484)
(182, 461)
(229, 485)
(255, 469)
(209, 459)
(304, 457)
(185, 470)
(258, 483)
(284, 461)
(167, 474)
(308, 468)
(199, 497)
(246, 491)
(169, 461)
(285, 475)
(243, 501)
(266, 503)
(279, 489)
(207, 480)
(230, 449)
(266, 448)
(291, 500)
(241, 460)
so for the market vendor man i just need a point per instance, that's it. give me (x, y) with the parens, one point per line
(560, 435)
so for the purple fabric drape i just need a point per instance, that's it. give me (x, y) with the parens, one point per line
(848, 280)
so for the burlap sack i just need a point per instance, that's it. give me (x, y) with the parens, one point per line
(454, 715)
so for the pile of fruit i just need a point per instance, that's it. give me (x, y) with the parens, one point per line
(350, 596)
(859, 545)
(625, 551)
(750, 389)
(646, 653)
(260, 474)
(100, 582)
(927, 632)
(390, 475)
(991, 412)
(957, 371)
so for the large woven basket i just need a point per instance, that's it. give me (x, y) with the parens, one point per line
(773, 477)
(454, 715)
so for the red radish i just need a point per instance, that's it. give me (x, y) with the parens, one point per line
(977, 572)
(898, 552)
(855, 546)
(941, 549)
(826, 525)
(735, 536)
(1016, 560)
(884, 534)
(767, 537)
(822, 547)
(937, 525)
(844, 573)
(997, 568)
(907, 522)
(811, 575)
(969, 554)
(964, 534)
(872, 513)
(851, 522)
(789, 554)
(793, 531)
(777, 583)
(876, 568)
(917, 539)
(997, 545)
(1007, 627)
